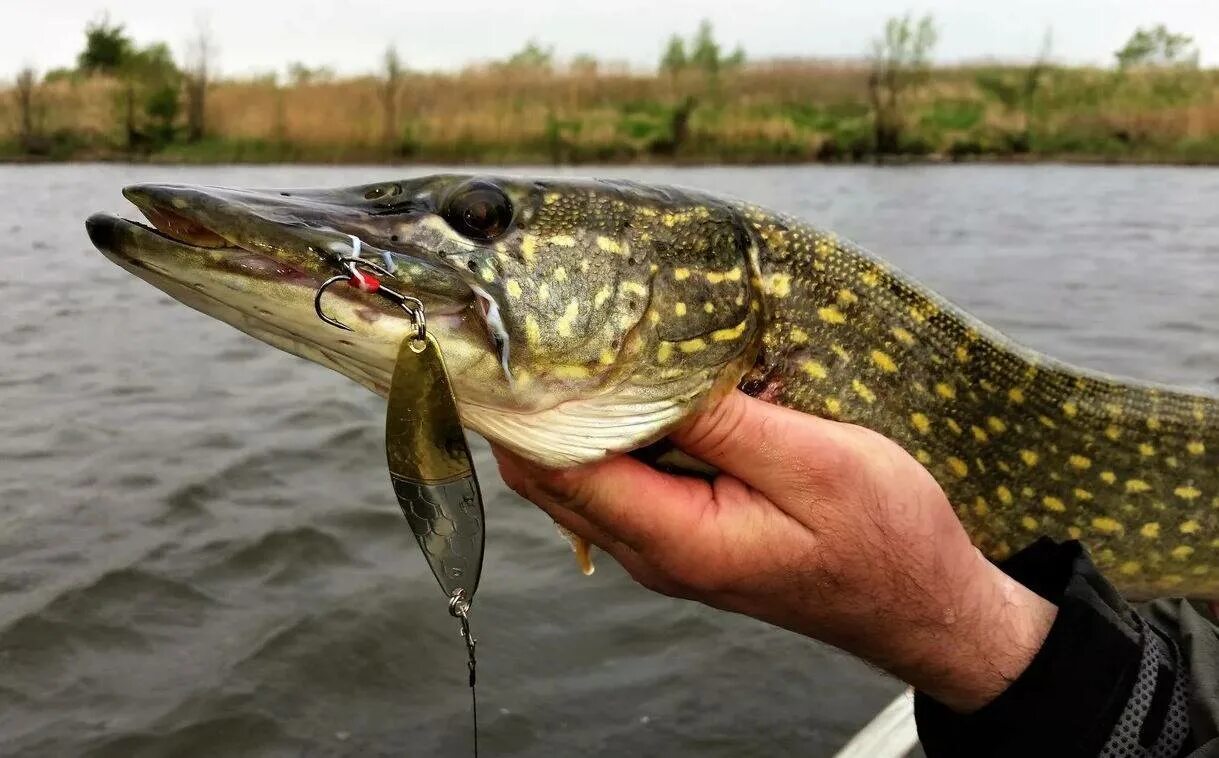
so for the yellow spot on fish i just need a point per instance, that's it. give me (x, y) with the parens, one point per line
(798, 336)
(710, 308)
(634, 288)
(607, 356)
(1150, 530)
(562, 240)
(921, 422)
(1030, 523)
(1146, 449)
(945, 391)
(846, 297)
(664, 352)
(962, 354)
(1181, 552)
(1195, 447)
(731, 275)
(1082, 494)
(1053, 504)
(833, 406)
(1188, 492)
(870, 278)
(1130, 567)
(725, 335)
(813, 369)
(563, 325)
(831, 315)
(570, 372)
(529, 246)
(958, 467)
(513, 288)
(779, 285)
(1108, 477)
(1137, 485)
(1029, 457)
(1047, 422)
(543, 292)
(862, 390)
(1112, 432)
(996, 425)
(953, 425)
(1189, 527)
(609, 245)
(560, 274)
(923, 457)
(1070, 410)
(550, 198)
(654, 315)
(488, 275)
(980, 506)
(1080, 462)
(691, 346)
(681, 274)
(1016, 395)
(601, 296)
(883, 361)
(1074, 532)
(679, 309)
(1106, 525)
(903, 336)
(1153, 423)
(533, 333)
(1004, 494)
(979, 434)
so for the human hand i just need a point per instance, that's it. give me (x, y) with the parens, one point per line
(824, 528)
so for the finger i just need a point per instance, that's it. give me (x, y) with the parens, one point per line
(754, 440)
(627, 500)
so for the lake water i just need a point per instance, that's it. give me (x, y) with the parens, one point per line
(200, 556)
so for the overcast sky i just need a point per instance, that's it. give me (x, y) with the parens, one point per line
(350, 35)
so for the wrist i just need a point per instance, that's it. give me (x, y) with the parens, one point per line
(1000, 626)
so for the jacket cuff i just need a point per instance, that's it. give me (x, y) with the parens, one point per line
(1072, 694)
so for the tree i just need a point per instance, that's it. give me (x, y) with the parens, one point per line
(107, 48)
(1157, 48)
(1017, 91)
(532, 55)
(674, 59)
(705, 51)
(900, 60)
(392, 86)
(27, 83)
(200, 52)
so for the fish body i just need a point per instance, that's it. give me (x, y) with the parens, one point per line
(584, 318)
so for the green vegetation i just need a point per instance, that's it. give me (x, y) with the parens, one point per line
(128, 101)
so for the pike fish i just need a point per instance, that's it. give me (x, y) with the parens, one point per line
(584, 318)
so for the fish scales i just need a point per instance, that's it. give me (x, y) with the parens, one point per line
(1023, 445)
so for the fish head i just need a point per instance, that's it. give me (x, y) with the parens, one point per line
(577, 318)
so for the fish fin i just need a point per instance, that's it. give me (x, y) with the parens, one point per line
(581, 547)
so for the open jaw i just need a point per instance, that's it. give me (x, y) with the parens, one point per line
(255, 262)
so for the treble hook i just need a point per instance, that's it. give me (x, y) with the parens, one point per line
(366, 282)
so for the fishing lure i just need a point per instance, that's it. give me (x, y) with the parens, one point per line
(430, 466)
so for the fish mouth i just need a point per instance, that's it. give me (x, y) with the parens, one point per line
(256, 259)
(284, 237)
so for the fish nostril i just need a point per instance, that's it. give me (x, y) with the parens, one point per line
(393, 238)
(472, 265)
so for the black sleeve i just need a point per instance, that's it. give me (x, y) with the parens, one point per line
(1107, 681)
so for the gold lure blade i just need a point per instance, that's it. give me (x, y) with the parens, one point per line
(431, 469)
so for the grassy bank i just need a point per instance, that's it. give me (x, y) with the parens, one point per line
(760, 113)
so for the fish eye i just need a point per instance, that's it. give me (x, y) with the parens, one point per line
(480, 211)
